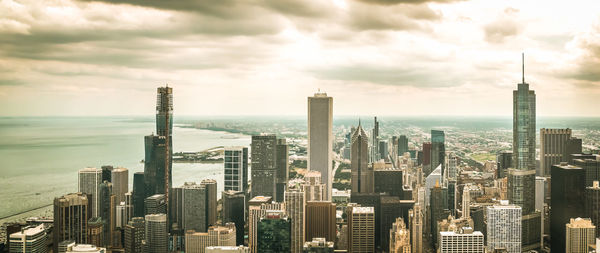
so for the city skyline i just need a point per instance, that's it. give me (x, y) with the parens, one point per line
(370, 55)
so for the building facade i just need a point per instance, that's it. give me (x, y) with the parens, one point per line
(361, 229)
(320, 220)
(89, 183)
(264, 165)
(235, 164)
(70, 218)
(295, 210)
(504, 228)
(320, 138)
(362, 174)
(579, 234)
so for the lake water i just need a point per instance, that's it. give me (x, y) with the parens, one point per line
(40, 156)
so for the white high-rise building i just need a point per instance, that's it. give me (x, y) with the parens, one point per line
(295, 206)
(361, 229)
(236, 169)
(464, 241)
(119, 178)
(320, 138)
(156, 233)
(29, 239)
(504, 227)
(466, 203)
(89, 183)
(580, 234)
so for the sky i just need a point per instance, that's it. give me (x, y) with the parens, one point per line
(265, 57)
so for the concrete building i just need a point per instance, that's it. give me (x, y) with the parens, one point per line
(553, 145)
(196, 242)
(320, 138)
(235, 164)
(234, 210)
(312, 187)
(155, 204)
(264, 165)
(580, 233)
(295, 210)
(193, 207)
(29, 239)
(416, 228)
(89, 183)
(283, 169)
(361, 229)
(156, 234)
(211, 201)
(566, 201)
(134, 235)
(320, 220)
(464, 241)
(70, 218)
(318, 245)
(362, 174)
(399, 237)
(504, 228)
(120, 182)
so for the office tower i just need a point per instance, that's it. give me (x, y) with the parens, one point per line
(193, 207)
(234, 211)
(466, 203)
(433, 179)
(504, 228)
(402, 145)
(128, 206)
(236, 169)
(70, 218)
(390, 208)
(453, 161)
(553, 145)
(383, 150)
(592, 204)
(227, 249)
(574, 146)
(196, 242)
(105, 210)
(87, 248)
(134, 235)
(567, 201)
(283, 169)
(154, 164)
(139, 194)
(503, 163)
(465, 240)
(274, 232)
(318, 245)
(389, 181)
(438, 209)
(399, 237)
(29, 239)
(426, 158)
(320, 138)
(264, 165)
(295, 210)
(95, 232)
(155, 204)
(312, 187)
(89, 183)
(451, 196)
(164, 128)
(416, 228)
(591, 168)
(580, 233)
(120, 182)
(156, 233)
(362, 174)
(375, 141)
(361, 229)
(257, 208)
(211, 201)
(320, 220)
(438, 149)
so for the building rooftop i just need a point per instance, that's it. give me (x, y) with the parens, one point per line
(29, 231)
(362, 209)
(580, 223)
(261, 199)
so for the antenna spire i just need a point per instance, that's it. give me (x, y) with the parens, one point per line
(523, 67)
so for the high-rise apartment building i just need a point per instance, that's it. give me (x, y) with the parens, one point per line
(553, 145)
(283, 169)
(193, 206)
(89, 183)
(264, 165)
(236, 169)
(295, 210)
(164, 128)
(320, 138)
(70, 218)
(320, 220)
(566, 201)
(234, 211)
(134, 235)
(362, 174)
(504, 228)
(399, 237)
(463, 241)
(29, 239)
(196, 242)
(592, 204)
(156, 234)
(580, 233)
(274, 232)
(361, 229)
(120, 182)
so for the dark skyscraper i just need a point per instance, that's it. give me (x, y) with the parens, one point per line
(392, 207)
(375, 141)
(389, 181)
(282, 168)
(139, 194)
(402, 145)
(106, 173)
(553, 147)
(567, 201)
(70, 218)
(438, 209)
(211, 201)
(427, 159)
(154, 164)
(234, 211)
(274, 233)
(591, 168)
(504, 162)
(134, 234)
(264, 165)
(362, 174)
(438, 149)
(164, 129)
(592, 204)
(320, 220)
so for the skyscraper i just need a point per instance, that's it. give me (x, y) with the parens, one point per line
(29, 239)
(264, 165)
(196, 242)
(567, 201)
(134, 235)
(438, 209)
(427, 168)
(234, 211)
(553, 145)
(361, 229)
(503, 162)
(295, 210)
(283, 169)
(438, 149)
(120, 182)
(375, 141)
(320, 220)
(592, 204)
(156, 233)
(211, 201)
(257, 207)
(154, 164)
(70, 218)
(155, 204)
(89, 183)
(139, 194)
(362, 174)
(402, 145)
(236, 169)
(312, 187)
(504, 228)
(591, 168)
(465, 240)
(416, 228)
(193, 206)
(399, 237)
(164, 127)
(390, 208)
(274, 232)
(320, 138)
(580, 233)
(389, 181)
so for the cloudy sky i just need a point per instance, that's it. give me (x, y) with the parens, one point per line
(264, 57)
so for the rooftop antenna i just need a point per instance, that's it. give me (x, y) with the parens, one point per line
(523, 68)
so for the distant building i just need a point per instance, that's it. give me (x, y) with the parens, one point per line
(196, 242)
(70, 218)
(320, 220)
(438, 149)
(402, 145)
(134, 235)
(89, 183)
(120, 182)
(318, 245)
(295, 210)
(274, 232)
(235, 164)
(504, 228)
(580, 233)
(592, 204)
(383, 150)
(567, 201)
(283, 169)
(399, 237)
(234, 211)
(264, 165)
(465, 241)
(426, 161)
(362, 173)
(29, 239)
(503, 162)
(156, 234)
(139, 194)
(361, 229)
(320, 138)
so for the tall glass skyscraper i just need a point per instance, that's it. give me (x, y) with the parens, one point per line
(438, 149)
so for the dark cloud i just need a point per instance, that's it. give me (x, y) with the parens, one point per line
(10, 82)
(399, 17)
(505, 26)
(586, 65)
